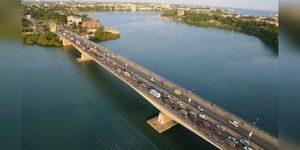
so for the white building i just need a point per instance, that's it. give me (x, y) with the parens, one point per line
(180, 12)
(28, 17)
(133, 8)
(73, 20)
(165, 5)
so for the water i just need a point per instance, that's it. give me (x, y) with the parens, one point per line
(253, 12)
(80, 106)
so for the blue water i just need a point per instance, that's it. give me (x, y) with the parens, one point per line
(253, 12)
(234, 70)
(63, 104)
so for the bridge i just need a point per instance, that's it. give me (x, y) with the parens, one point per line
(177, 105)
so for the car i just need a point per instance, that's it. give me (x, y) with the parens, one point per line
(233, 139)
(234, 123)
(177, 92)
(152, 80)
(203, 116)
(245, 142)
(220, 127)
(159, 89)
(200, 108)
(170, 96)
(193, 114)
(204, 124)
(179, 103)
(174, 106)
(143, 85)
(248, 148)
(183, 112)
(217, 131)
(166, 100)
(229, 143)
(133, 77)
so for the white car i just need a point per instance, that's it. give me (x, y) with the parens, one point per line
(248, 148)
(233, 139)
(180, 103)
(221, 127)
(203, 116)
(152, 80)
(170, 96)
(245, 142)
(234, 123)
(200, 108)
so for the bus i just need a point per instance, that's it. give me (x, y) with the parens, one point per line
(155, 93)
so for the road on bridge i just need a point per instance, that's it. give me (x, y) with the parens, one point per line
(216, 116)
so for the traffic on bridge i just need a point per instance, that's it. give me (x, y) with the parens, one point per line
(217, 126)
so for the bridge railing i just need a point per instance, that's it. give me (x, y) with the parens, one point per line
(159, 78)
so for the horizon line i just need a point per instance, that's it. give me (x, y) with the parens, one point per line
(117, 1)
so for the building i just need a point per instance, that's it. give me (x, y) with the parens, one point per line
(133, 8)
(91, 30)
(71, 20)
(258, 19)
(91, 24)
(164, 5)
(180, 12)
(28, 17)
(84, 35)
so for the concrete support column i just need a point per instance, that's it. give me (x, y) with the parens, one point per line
(161, 122)
(163, 119)
(83, 58)
(66, 42)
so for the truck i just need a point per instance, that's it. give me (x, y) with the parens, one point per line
(177, 92)
(155, 93)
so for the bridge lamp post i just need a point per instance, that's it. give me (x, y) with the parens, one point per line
(126, 64)
(251, 133)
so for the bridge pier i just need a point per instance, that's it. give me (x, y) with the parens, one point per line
(83, 58)
(161, 122)
(65, 42)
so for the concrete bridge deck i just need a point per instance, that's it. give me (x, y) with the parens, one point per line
(168, 116)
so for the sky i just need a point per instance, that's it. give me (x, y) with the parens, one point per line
(248, 4)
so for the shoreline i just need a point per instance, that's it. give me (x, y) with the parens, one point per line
(214, 23)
